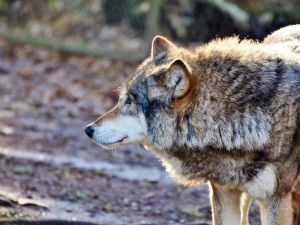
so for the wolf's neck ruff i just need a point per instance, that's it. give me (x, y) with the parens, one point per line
(249, 131)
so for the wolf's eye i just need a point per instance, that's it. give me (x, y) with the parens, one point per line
(128, 101)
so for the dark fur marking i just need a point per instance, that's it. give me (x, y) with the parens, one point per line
(259, 163)
(280, 69)
(267, 95)
(252, 169)
(258, 126)
(280, 66)
(155, 108)
(233, 74)
(159, 59)
(250, 128)
(296, 69)
(140, 94)
(296, 138)
(213, 99)
(260, 156)
(242, 133)
(220, 133)
(204, 96)
(263, 92)
(191, 130)
(215, 64)
(239, 87)
(233, 137)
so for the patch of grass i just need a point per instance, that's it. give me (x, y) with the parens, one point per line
(80, 195)
(146, 185)
(7, 212)
(197, 211)
(107, 206)
(29, 101)
(22, 170)
(100, 173)
(66, 172)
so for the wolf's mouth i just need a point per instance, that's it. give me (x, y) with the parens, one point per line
(121, 140)
(115, 142)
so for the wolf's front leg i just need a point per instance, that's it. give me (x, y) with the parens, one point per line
(276, 210)
(245, 205)
(226, 205)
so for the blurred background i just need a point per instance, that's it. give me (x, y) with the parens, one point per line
(61, 62)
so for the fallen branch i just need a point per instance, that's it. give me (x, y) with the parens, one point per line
(81, 49)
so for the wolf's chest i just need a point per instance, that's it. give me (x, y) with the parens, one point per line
(191, 167)
(257, 178)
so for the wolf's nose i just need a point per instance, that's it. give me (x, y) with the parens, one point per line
(89, 131)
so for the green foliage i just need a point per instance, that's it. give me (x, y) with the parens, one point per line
(146, 185)
(5, 4)
(7, 212)
(80, 195)
(100, 173)
(292, 12)
(195, 211)
(22, 170)
(131, 10)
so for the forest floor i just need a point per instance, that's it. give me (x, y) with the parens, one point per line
(50, 169)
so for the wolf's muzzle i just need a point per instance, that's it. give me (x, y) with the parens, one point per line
(89, 131)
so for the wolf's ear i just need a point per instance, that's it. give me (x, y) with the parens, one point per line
(161, 46)
(179, 78)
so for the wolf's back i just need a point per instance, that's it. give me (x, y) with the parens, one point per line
(285, 34)
(289, 37)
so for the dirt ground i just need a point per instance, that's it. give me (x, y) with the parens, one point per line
(52, 173)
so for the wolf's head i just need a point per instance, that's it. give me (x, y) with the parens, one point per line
(151, 103)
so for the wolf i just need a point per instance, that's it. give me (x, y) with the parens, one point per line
(226, 113)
